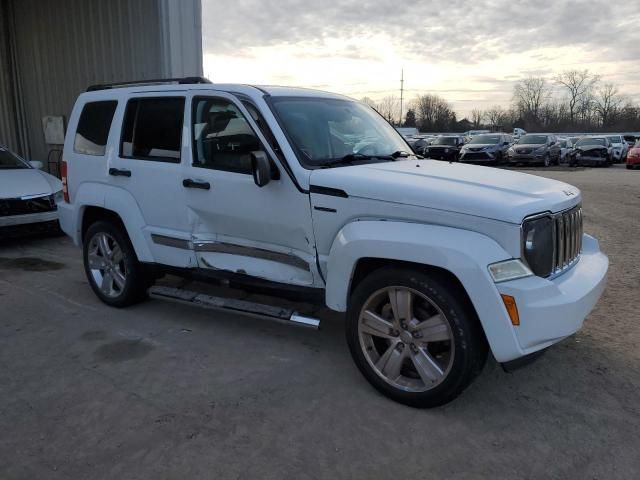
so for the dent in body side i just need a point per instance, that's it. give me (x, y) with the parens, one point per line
(464, 253)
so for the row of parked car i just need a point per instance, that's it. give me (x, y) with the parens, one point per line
(522, 148)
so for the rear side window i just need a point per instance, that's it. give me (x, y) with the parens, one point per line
(152, 129)
(93, 128)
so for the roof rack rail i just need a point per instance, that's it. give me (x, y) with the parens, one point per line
(182, 80)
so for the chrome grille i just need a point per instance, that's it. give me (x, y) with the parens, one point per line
(567, 234)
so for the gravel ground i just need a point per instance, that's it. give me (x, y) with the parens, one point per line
(166, 391)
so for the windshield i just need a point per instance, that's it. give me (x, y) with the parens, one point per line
(485, 139)
(615, 139)
(533, 139)
(590, 141)
(444, 141)
(326, 129)
(10, 161)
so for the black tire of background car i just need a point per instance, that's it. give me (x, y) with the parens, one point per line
(137, 279)
(470, 343)
(547, 160)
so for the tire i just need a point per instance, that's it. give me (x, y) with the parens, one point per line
(448, 363)
(547, 160)
(629, 167)
(123, 281)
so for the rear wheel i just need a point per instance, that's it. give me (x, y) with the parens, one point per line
(413, 337)
(111, 265)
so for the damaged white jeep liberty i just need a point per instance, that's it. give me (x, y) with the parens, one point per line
(434, 263)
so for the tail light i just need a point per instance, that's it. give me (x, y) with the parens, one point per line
(63, 174)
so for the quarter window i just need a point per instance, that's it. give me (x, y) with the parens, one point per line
(93, 128)
(222, 137)
(153, 129)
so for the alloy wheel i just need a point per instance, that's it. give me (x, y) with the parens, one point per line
(106, 264)
(406, 339)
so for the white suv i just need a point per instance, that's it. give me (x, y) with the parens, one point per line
(434, 263)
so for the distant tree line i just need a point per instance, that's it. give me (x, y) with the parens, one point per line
(573, 101)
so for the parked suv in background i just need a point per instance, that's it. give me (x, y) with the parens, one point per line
(619, 148)
(536, 148)
(445, 147)
(488, 148)
(433, 263)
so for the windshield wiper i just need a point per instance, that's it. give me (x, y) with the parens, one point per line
(354, 157)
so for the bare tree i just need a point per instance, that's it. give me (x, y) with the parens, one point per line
(529, 95)
(369, 101)
(578, 84)
(433, 113)
(476, 117)
(388, 108)
(607, 103)
(495, 116)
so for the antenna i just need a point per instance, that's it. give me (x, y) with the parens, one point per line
(401, 92)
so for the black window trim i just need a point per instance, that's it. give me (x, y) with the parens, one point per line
(194, 153)
(176, 161)
(113, 115)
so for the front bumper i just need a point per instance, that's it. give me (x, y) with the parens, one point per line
(13, 220)
(551, 310)
(590, 161)
(526, 157)
(480, 157)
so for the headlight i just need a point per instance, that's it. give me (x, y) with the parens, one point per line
(510, 151)
(509, 270)
(537, 245)
(58, 197)
(446, 150)
(578, 155)
(540, 149)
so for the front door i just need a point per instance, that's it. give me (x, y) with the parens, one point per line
(240, 227)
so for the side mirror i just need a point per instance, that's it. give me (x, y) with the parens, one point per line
(36, 164)
(260, 168)
(505, 143)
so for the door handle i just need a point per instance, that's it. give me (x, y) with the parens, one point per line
(189, 183)
(116, 172)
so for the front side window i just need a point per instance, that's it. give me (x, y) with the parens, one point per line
(93, 128)
(152, 129)
(324, 130)
(222, 137)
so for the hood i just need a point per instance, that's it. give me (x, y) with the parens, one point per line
(468, 189)
(27, 182)
(534, 146)
(479, 146)
(586, 148)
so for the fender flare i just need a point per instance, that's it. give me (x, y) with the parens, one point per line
(463, 253)
(121, 202)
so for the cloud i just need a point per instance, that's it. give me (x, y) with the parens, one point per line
(539, 37)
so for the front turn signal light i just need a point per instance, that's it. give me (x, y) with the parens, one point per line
(512, 309)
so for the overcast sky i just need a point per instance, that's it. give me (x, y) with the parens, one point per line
(469, 52)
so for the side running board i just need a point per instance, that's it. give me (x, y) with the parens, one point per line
(220, 303)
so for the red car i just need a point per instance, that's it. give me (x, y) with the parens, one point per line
(633, 157)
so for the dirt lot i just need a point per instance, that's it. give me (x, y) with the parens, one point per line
(166, 391)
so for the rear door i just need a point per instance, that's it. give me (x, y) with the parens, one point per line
(239, 227)
(147, 166)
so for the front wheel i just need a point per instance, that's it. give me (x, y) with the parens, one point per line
(413, 337)
(111, 265)
(547, 160)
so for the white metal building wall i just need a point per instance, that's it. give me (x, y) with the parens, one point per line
(62, 46)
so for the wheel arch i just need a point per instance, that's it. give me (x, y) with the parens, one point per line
(455, 255)
(105, 202)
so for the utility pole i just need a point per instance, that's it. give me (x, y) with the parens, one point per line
(401, 93)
